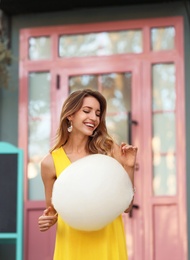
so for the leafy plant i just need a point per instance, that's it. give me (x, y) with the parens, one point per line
(5, 60)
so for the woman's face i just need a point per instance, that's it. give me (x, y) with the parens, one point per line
(87, 119)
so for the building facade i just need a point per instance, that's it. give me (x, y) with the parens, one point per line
(138, 56)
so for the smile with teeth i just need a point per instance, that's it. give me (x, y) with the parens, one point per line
(90, 125)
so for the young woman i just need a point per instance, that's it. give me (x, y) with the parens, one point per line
(82, 131)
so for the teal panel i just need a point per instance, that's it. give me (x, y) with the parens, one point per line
(7, 150)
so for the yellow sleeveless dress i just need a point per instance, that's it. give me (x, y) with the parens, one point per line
(71, 244)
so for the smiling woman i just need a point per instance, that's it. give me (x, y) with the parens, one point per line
(82, 132)
(87, 118)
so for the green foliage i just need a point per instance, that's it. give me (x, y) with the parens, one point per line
(5, 60)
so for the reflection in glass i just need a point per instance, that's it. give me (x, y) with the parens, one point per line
(164, 95)
(102, 43)
(164, 132)
(163, 38)
(164, 179)
(117, 127)
(116, 88)
(83, 82)
(39, 126)
(164, 129)
(39, 48)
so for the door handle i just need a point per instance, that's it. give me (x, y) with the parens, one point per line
(130, 123)
(58, 81)
(135, 206)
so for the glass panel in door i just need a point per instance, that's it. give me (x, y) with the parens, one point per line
(39, 130)
(164, 130)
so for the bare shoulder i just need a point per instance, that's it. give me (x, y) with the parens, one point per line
(47, 161)
(47, 167)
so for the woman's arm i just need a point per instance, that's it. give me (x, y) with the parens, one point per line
(49, 216)
(126, 155)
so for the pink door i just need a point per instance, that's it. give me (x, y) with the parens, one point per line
(138, 66)
(120, 84)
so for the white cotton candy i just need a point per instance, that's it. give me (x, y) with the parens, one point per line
(91, 192)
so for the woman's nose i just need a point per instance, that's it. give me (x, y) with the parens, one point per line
(93, 116)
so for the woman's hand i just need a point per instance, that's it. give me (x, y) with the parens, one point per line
(48, 219)
(128, 155)
(128, 159)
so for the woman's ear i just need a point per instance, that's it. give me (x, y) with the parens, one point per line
(69, 118)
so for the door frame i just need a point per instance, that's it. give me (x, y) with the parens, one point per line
(144, 60)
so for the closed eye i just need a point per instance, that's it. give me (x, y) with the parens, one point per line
(87, 112)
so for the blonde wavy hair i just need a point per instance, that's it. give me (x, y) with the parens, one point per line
(101, 142)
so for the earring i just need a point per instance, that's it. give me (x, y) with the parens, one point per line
(70, 128)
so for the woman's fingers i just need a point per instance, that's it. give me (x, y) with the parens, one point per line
(45, 222)
(45, 212)
(128, 154)
(125, 148)
(50, 211)
(44, 227)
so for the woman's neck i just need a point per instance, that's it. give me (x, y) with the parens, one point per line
(75, 148)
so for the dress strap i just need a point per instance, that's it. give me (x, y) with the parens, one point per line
(61, 160)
